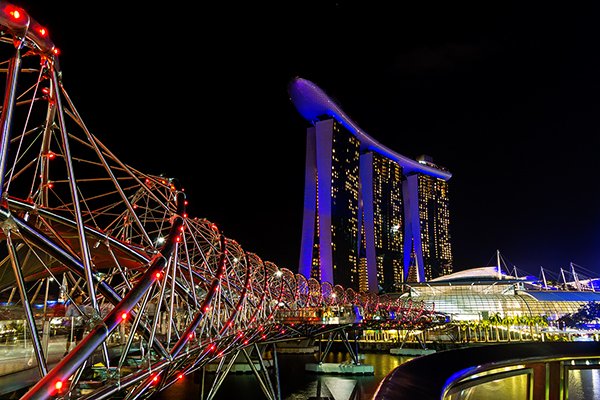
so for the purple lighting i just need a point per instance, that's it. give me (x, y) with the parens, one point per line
(313, 103)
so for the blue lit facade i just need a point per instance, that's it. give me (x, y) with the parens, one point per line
(331, 220)
(373, 218)
(428, 225)
(382, 221)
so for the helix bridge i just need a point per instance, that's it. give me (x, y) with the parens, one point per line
(165, 293)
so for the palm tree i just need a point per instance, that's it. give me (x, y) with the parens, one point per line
(540, 321)
(485, 325)
(507, 321)
(473, 329)
(462, 327)
(521, 321)
(496, 320)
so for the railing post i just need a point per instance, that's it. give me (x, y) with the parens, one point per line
(555, 380)
(539, 381)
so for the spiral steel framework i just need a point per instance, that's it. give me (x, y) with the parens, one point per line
(73, 212)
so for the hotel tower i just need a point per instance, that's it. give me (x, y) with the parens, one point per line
(373, 219)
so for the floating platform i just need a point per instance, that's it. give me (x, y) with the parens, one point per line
(340, 369)
(297, 346)
(298, 350)
(239, 367)
(411, 352)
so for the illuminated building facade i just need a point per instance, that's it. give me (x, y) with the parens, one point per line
(382, 221)
(371, 215)
(428, 221)
(331, 218)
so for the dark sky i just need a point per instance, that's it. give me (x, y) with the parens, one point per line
(505, 96)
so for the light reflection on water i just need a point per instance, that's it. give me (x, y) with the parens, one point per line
(584, 384)
(298, 384)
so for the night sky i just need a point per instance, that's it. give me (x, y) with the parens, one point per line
(505, 96)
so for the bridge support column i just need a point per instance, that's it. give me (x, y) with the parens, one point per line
(353, 368)
(255, 363)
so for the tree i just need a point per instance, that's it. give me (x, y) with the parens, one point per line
(586, 314)
(496, 320)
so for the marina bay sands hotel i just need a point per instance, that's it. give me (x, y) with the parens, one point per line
(373, 218)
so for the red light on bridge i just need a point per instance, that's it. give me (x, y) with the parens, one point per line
(180, 376)
(124, 316)
(16, 13)
(58, 385)
(56, 51)
(43, 32)
(158, 275)
(155, 379)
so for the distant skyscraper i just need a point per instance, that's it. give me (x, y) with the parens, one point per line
(330, 231)
(382, 220)
(428, 220)
(370, 214)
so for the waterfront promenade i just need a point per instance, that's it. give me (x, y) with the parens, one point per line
(18, 369)
(18, 365)
(397, 377)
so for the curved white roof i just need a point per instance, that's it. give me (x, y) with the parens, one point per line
(478, 273)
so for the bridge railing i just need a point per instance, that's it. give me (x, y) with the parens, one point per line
(533, 371)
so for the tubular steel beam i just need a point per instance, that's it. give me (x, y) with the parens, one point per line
(48, 386)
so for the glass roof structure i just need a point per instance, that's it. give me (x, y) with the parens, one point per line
(481, 293)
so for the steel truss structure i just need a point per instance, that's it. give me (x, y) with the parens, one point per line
(165, 294)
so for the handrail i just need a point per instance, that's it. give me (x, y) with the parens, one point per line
(434, 376)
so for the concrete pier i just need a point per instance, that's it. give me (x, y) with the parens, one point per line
(411, 352)
(240, 367)
(304, 346)
(340, 369)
